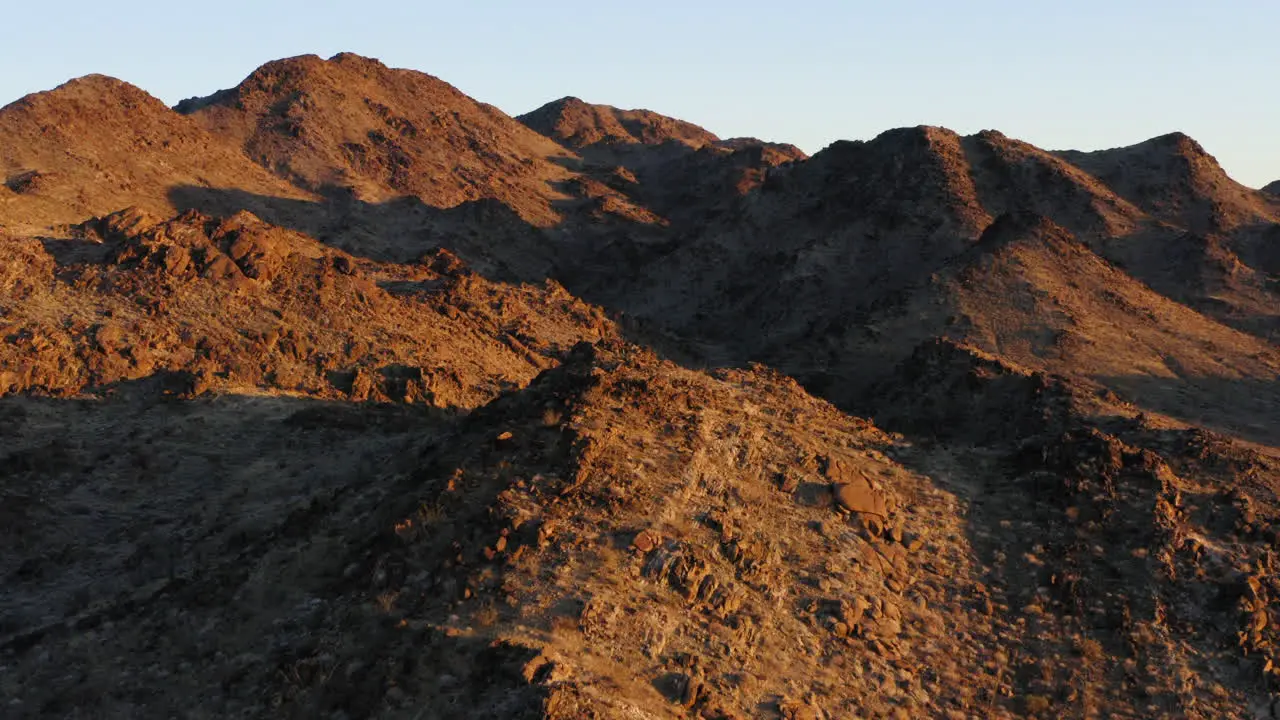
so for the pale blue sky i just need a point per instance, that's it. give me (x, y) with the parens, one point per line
(1084, 74)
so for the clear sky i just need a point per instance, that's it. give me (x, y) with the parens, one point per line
(1084, 74)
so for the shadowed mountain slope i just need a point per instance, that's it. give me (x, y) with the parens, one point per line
(681, 171)
(1172, 178)
(862, 227)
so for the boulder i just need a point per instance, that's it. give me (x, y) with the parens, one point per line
(859, 496)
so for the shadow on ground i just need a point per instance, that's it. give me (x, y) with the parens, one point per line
(1245, 408)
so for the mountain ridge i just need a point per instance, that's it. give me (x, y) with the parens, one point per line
(95, 144)
(342, 394)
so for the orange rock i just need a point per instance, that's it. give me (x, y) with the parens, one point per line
(860, 497)
(646, 541)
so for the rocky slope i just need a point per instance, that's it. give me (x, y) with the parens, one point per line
(96, 145)
(838, 245)
(353, 122)
(627, 538)
(1173, 179)
(681, 171)
(236, 304)
(578, 124)
(298, 418)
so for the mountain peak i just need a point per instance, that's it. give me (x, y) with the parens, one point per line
(917, 133)
(1177, 139)
(353, 122)
(1273, 188)
(93, 89)
(578, 124)
(350, 58)
(95, 144)
(1174, 179)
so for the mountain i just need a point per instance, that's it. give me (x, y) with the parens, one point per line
(95, 145)
(862, 228)
(353, 122)
(1173, 179)
(681, 171)
(341, 394)
(406, 163)
(578, 124)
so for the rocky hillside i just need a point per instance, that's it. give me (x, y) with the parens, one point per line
(352, 122)
(96, 145)
(679, 170)
(1173, 179)
(340, 394)
(577, 124)
(627, 538)
(238, 305)
(835, 247)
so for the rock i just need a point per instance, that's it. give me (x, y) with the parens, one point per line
(545, 669)
(646, 540)
(852, 614)
(872, 527)
(177, 262)
(221, 267)
(256, 255)
(25, 182)
(858, 496)
(692, 692)
(888, 627)
(110, 338)
(801, 710)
